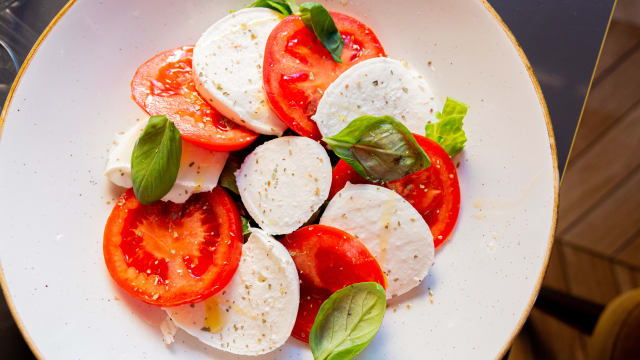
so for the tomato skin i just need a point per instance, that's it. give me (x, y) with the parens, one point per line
(327, 259)
(164, 85)
(298, 69)
(434, 192)
(190, 251)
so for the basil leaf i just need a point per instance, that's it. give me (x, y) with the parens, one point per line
(295, 9)
(245, 226)
(280, 6)
(347, 321)
(155, 160)
(448, 130)
(228, 177)
(379, 148)
(317, 19)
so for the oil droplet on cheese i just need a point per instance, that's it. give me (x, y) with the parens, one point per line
(244, 312)
(214, 318)
(385, 219)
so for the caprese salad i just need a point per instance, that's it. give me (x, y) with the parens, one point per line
(291, 177)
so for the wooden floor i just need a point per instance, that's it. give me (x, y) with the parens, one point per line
(597, 249)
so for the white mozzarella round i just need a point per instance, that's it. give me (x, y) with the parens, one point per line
(393, 231)
(378, 86)
(227, 68)
(199, 168)
(283, 182)
(256, 312)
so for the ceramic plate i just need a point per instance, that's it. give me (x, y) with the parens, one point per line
(73, 97)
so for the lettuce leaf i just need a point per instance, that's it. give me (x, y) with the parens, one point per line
(448, 130)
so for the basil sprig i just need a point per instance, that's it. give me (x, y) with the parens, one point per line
(282, 7)
(379, 148)
(347, 321)
(315, 17)
(448, 130)
(155, 160)
(295, 9)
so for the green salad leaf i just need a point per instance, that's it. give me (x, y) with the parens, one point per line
(317, 19)
(379, 148)
(155, 160)
(448, 130)
(347, 321)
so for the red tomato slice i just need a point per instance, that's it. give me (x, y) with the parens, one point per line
(298, 69)
(434, 191)
(170, 254)
(327, 259)
(164, 86)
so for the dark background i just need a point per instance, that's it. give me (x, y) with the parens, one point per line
(561, 38)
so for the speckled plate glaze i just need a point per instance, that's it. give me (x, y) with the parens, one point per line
(73, 96)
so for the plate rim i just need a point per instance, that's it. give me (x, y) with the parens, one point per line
(536, 86)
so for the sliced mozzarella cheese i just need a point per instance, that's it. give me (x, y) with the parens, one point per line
(118, 169)
(227, 68)
(378, 86)
(283, 182)
(256, 312)
(199, 168)
(392, 230)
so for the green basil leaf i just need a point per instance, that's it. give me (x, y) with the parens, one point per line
(155, 160)
(379, 148)
(295, 9)
(317, 19)
(245, 226)
(228, 177)
(347, 321)
(448, 130)
(283, 7)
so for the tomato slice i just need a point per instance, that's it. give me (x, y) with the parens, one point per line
(434, 191)
(170, 254)
(164, 86)
(327, 260)
(298, 69)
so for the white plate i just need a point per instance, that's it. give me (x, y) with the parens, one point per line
(73, 96)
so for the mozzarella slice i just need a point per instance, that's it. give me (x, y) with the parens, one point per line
(227, 68)
(378, 86)
(256, 312)
(393, 231)
(283, 182)
(199, 168)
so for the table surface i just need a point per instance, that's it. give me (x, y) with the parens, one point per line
(562, 39)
